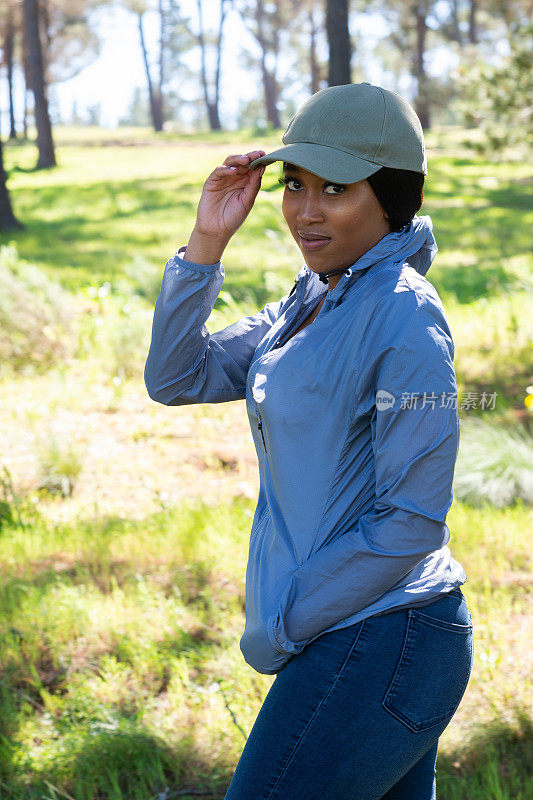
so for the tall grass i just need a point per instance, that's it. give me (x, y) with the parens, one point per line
(495, 464)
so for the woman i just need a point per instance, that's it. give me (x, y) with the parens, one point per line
(352, 596)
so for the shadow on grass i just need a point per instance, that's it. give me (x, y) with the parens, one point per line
(34, 679)
(483, 224)
(470, 282)
(88, 233)
(495, 763)
(129, 763)
(93, 232)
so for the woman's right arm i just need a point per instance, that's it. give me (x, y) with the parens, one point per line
(185, 363)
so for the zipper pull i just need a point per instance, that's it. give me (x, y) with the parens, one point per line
(260, 425)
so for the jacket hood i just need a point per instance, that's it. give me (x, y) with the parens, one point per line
(414, 244)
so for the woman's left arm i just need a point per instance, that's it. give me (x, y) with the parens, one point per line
(415, 449)
(187, 364)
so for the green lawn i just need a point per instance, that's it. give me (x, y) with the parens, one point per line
(120, 671)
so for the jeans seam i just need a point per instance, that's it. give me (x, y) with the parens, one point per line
(314, 714)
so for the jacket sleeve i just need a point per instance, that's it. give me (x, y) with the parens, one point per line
(415, 448)
(186, 364)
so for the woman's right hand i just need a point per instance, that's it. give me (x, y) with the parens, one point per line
(227, 198)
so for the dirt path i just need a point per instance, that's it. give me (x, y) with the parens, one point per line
(135, 454)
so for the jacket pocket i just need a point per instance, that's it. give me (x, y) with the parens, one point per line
(433, 671)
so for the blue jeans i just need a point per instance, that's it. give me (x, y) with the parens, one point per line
(358, 713)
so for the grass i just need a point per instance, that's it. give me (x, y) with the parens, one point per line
(116, 636)
(142, 199)
(113, 214)
(492, 766)
(120, 672)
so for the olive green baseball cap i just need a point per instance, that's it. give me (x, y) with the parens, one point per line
(346, 133)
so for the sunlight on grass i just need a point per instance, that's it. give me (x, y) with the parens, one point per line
(117, 629)
(121, 675)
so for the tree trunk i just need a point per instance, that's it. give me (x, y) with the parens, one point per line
(313, 62)
(271, 94)
(456, 28)
(162, 52)
(222, 17)
(210, 105)
(340, 47)
(270, 84)
(7, 218)
(472, 23)
(46, 38)
(156, 106)
(25, 70)
(422, 98)
(162, 44)
(8, 58)
(45, 142)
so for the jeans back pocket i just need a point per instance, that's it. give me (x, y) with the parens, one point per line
(432, 673)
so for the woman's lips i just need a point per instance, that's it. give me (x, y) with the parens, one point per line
(313, 241)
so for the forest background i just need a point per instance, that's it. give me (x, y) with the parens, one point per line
(124, 524)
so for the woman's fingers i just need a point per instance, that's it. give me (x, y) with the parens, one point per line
(238, 167)
(222, 172)
(228, 195)
(244, 159)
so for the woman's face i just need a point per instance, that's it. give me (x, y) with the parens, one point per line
(333, 224)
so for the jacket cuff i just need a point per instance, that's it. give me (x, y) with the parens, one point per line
(280, 641)
(259, 652)
(178, 261)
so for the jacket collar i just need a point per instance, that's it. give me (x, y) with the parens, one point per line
(414, 244)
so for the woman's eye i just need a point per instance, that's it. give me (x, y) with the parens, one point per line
(294, 185)
(291, 184)
(336, 188)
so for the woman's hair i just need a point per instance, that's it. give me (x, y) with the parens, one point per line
(399, 192)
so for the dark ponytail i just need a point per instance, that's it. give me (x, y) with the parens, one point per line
(400, 194)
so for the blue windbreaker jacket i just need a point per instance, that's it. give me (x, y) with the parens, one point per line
(355, 424)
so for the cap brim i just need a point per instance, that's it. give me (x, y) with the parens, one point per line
(329, 163)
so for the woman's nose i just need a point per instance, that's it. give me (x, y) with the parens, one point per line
(309, 209)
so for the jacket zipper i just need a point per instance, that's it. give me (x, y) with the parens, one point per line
(260, 425)
(259, 419)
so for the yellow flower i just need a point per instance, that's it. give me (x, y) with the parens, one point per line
(529, 401)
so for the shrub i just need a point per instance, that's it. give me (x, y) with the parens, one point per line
(35, 316)
(60, 464)
(495, 464)
(128, 338)
(16, 512)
